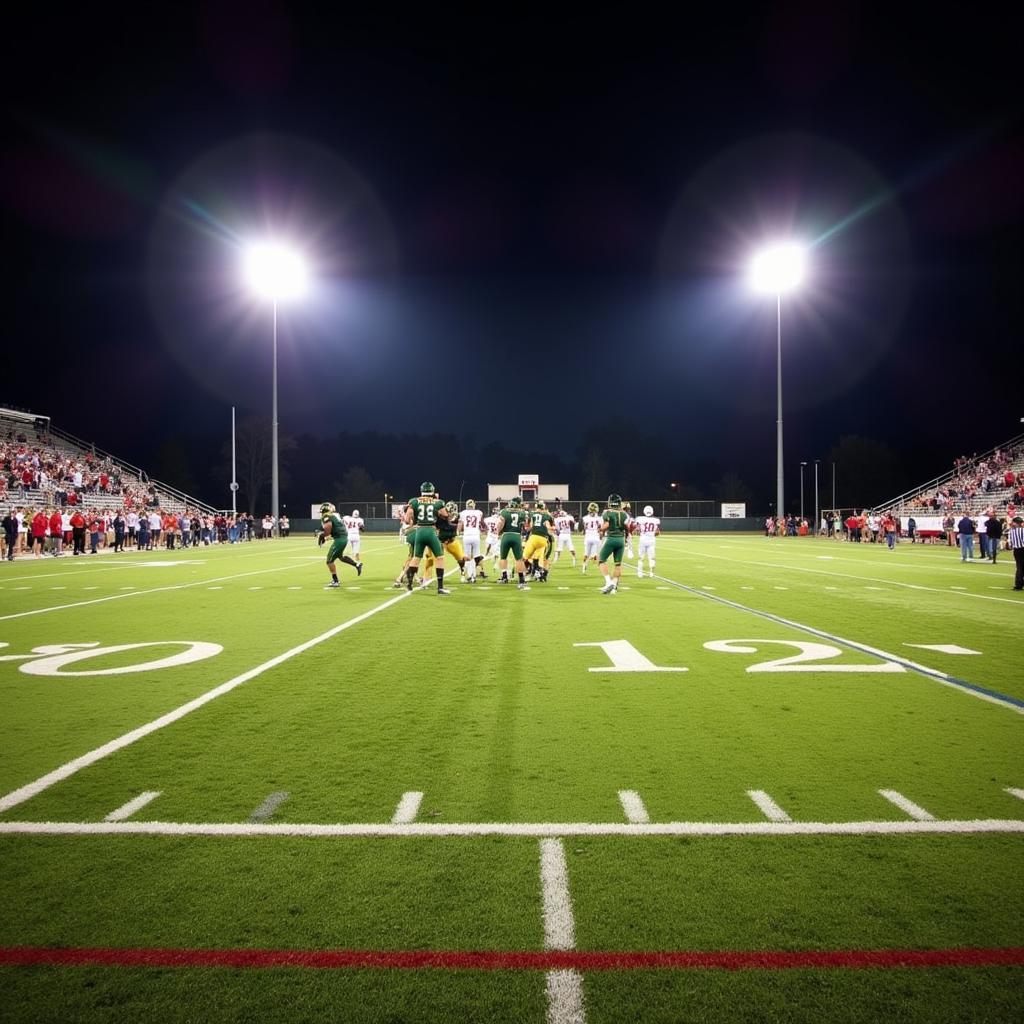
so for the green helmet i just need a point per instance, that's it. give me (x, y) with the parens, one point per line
(427, 487)
(540, 505)
(515, 503)
(614, 501)
(326, 508)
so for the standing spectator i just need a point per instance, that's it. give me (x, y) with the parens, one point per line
(56, 534)
(155, 524)
(286, 526)
(65, 525)
(888, 527)
(169, 524)
(1016, 539)
(120, 525)
(95, 526)
(132, 522)
(40, 524)
(78, 532)
(993, 534)
(143, 535)
(9, 524)
(912, 529)
(949, 525)
(965, 528)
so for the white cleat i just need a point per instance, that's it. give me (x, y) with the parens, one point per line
(522, 586)
(442, 592)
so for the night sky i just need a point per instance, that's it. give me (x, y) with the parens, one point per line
(522, 226)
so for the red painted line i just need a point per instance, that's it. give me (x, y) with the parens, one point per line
(496, 960)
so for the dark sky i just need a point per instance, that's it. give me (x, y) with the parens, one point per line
(520, 224)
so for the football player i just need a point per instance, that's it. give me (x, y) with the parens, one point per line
(511, 527)
(470, 521)
(493, 524)
(629, 529)
(354, 524)
(613, 530)
(334, 527)
(591, 534)
(564, 524)
(537, 547)
(447, 534)
(647, 528)
(424, 513)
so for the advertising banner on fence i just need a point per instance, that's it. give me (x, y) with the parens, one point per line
(734, 510)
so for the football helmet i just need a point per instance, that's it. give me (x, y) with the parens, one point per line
(540, 506)
(470, 503)
(451, 508)
(648, 511)
(515, 503)
(355, 513)
(592, 508)
(326, 508)
(427, 487)
(614, 501)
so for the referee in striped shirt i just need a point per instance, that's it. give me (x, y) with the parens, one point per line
(1016, 539)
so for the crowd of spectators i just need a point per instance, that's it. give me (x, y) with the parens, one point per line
(57, 532)
(991, 479)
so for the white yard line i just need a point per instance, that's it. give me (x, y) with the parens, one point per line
(1018, 793)
(906, 806)
(539, 829)
(65, 770)
(564, 988)
(633, 807)
(133, 805)
(845, 575)
(973, 690)
(769, 808)
(408, 808)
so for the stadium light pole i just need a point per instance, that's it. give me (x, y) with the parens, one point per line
(802, 464)
(275, 272)
(817, 506)
(776, 270)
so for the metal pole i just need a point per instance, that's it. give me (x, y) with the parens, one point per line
(817, 506)
(234, 474)
(274, 494)
(779, 506)
(833, 485)
(802, 464)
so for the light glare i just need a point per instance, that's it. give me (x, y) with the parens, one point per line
(777, 268)
(274, 271)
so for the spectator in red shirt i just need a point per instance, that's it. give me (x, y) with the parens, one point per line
(56, 534)
(40, 521)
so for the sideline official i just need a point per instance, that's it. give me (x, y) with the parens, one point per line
(1016, 539)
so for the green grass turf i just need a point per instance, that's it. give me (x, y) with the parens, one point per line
(482, 702)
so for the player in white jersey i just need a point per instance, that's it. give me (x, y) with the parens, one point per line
(354, 524)
(629, 529)
(470, 521)
(493, 524)
(591, 534)
(564, 524)
(647, 527)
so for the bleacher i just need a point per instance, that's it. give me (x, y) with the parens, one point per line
(58, 447)
(963, 489)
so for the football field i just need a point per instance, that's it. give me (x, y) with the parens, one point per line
(780, 780)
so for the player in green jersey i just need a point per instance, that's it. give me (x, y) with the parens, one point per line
(538, 546)
(334, 528)
(510, 526)
(613, 530)
(424, 513)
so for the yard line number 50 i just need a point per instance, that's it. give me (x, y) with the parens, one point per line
(810, 657)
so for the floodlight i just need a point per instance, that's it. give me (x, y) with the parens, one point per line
(778, 268)
(275, 271)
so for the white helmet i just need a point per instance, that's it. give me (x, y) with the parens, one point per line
(355, 512)
(648, 511)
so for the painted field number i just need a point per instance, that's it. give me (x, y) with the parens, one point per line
(808, 659)
(624, 657)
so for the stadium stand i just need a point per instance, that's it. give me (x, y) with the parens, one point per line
(41, 464)
(976, 483)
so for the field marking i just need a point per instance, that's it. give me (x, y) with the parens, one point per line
(535, 829)
(266, 810)
(944, 648)
(633, 807)
(553, 961)
(1018, 793)
(768, 807)
(30, 790)
(135, 804)
(407, 809)
(906, 806)
(140, 593)
(845, 575)
(972, 689)
(564, 987)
